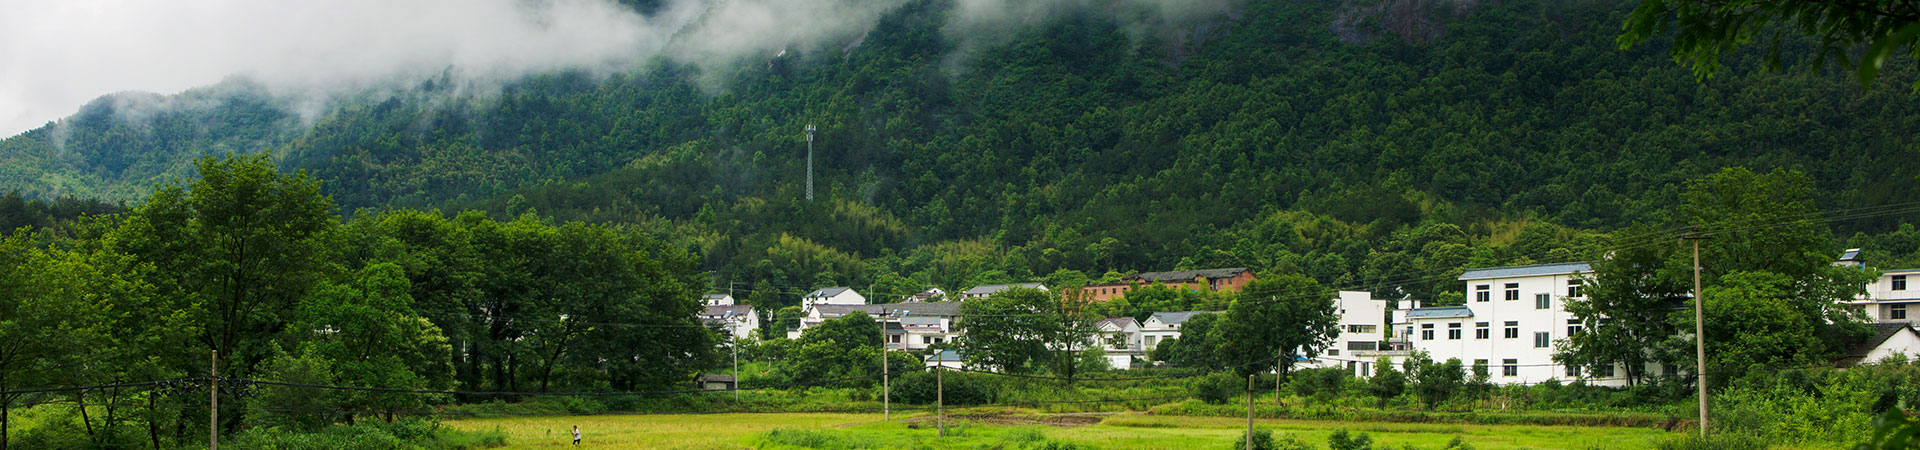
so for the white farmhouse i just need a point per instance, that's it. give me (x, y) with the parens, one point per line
(738, 320)
(983, 291)
(1895, 338)
(1511, 322)
(1162, 326)
(907, 326)
(1120, 338)
(717, 299)
(832, 296)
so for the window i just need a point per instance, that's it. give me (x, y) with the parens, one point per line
(1426, 332)
(1899, 312)
(1573, 288)
(1363, 345)
(1480, 331)
(1513, 330)
(1360, 328)
(1541, 339)
(1453, 331)
(1542, 301)
(1333, 352)
(1481, 294)
(1510, 367)
(1605, 371)
(894, 338)
(1513, 291)
(1899, 282)
(1573, 327)
(1480, 367)
(1573, 371)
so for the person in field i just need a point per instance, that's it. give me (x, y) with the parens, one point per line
(576, 435)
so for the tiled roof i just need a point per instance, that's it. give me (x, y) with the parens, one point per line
(1177, 317)
(1188, 275)
(1118, 322)
(722, 310)
(990, 289)
(1881, 332)
(827, 292)
(1439, 312)
(1526, 271)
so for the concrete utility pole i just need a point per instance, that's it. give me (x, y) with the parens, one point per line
(733, 340)
(1249, 412)
(810, 162)
(940, 392)
(213, 409)
(886, 379)
(1699, 330)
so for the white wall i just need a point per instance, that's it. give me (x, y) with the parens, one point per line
(1532, 363)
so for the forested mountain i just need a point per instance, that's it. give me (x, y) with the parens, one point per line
(1354, 142)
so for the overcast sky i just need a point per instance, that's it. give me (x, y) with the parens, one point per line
(56, 55)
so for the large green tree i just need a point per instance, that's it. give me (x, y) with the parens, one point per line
(1627, 302)
(1704, 30)
(1282, 316)
(1021, 330)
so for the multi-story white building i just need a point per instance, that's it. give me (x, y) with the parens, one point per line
(740, 320)
(1363, 323)
(1889, 298)
(1512, 320)
(907, 326)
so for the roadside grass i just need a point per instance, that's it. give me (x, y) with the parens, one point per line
(994, 430)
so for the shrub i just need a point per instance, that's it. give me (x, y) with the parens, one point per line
(961, 389)
(1320, 384)
(1216, 388)
(1340, 440)
(1263, 440)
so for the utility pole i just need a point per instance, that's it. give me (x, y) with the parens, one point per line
(1699, 330)
(1276, 376)
(886, 379)
(810, 162)
(213, 409)
(940, 392)
(733, 340)
(1249, 412)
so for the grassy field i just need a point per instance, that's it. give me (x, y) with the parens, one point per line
(1115, 432)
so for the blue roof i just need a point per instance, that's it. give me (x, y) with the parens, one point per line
(1439, 312)
(1526, 271)
(945, 355)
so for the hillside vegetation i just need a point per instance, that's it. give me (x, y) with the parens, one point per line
(1360, 143)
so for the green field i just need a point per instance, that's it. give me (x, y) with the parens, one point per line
(1120, 431)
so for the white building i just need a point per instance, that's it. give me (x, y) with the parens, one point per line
(832, 296)
(1895, 338)
(1120, 338)
(1511, 322)
(1363, 324)
(717, 299)
(739, 320)
(983, 291)
(914, 326)
(1162, 326)
(1889, 298)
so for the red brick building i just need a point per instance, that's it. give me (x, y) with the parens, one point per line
(1229, 279)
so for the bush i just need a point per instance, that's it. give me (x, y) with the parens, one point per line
(1320, 384)
(1340, 440)
(1263, 440)
(1217, 388)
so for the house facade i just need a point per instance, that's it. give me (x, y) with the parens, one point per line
(1119, 337)
(1364, 324)
(1512, 320)
(717, 299)
(739, 321)
(1889, 339)
(907, 326)
(1889, 298)
(832, 296)
(1162, 326)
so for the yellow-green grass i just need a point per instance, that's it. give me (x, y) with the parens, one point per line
(1119, 432)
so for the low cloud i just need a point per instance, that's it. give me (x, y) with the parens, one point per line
(56, 56)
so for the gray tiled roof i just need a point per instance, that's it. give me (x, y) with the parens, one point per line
(990, 289)
(1439, 312)
(827, 292)
(1881, 332)
(1120, 322)
(948, 309)
(722, 310)
(1526, 271)
(1177, 317)
(1187, 275)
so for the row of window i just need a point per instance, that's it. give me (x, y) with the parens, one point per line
(1481, 330)
(1483, 293)
(1511, 368)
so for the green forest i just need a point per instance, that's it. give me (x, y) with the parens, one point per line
(1335, 140)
